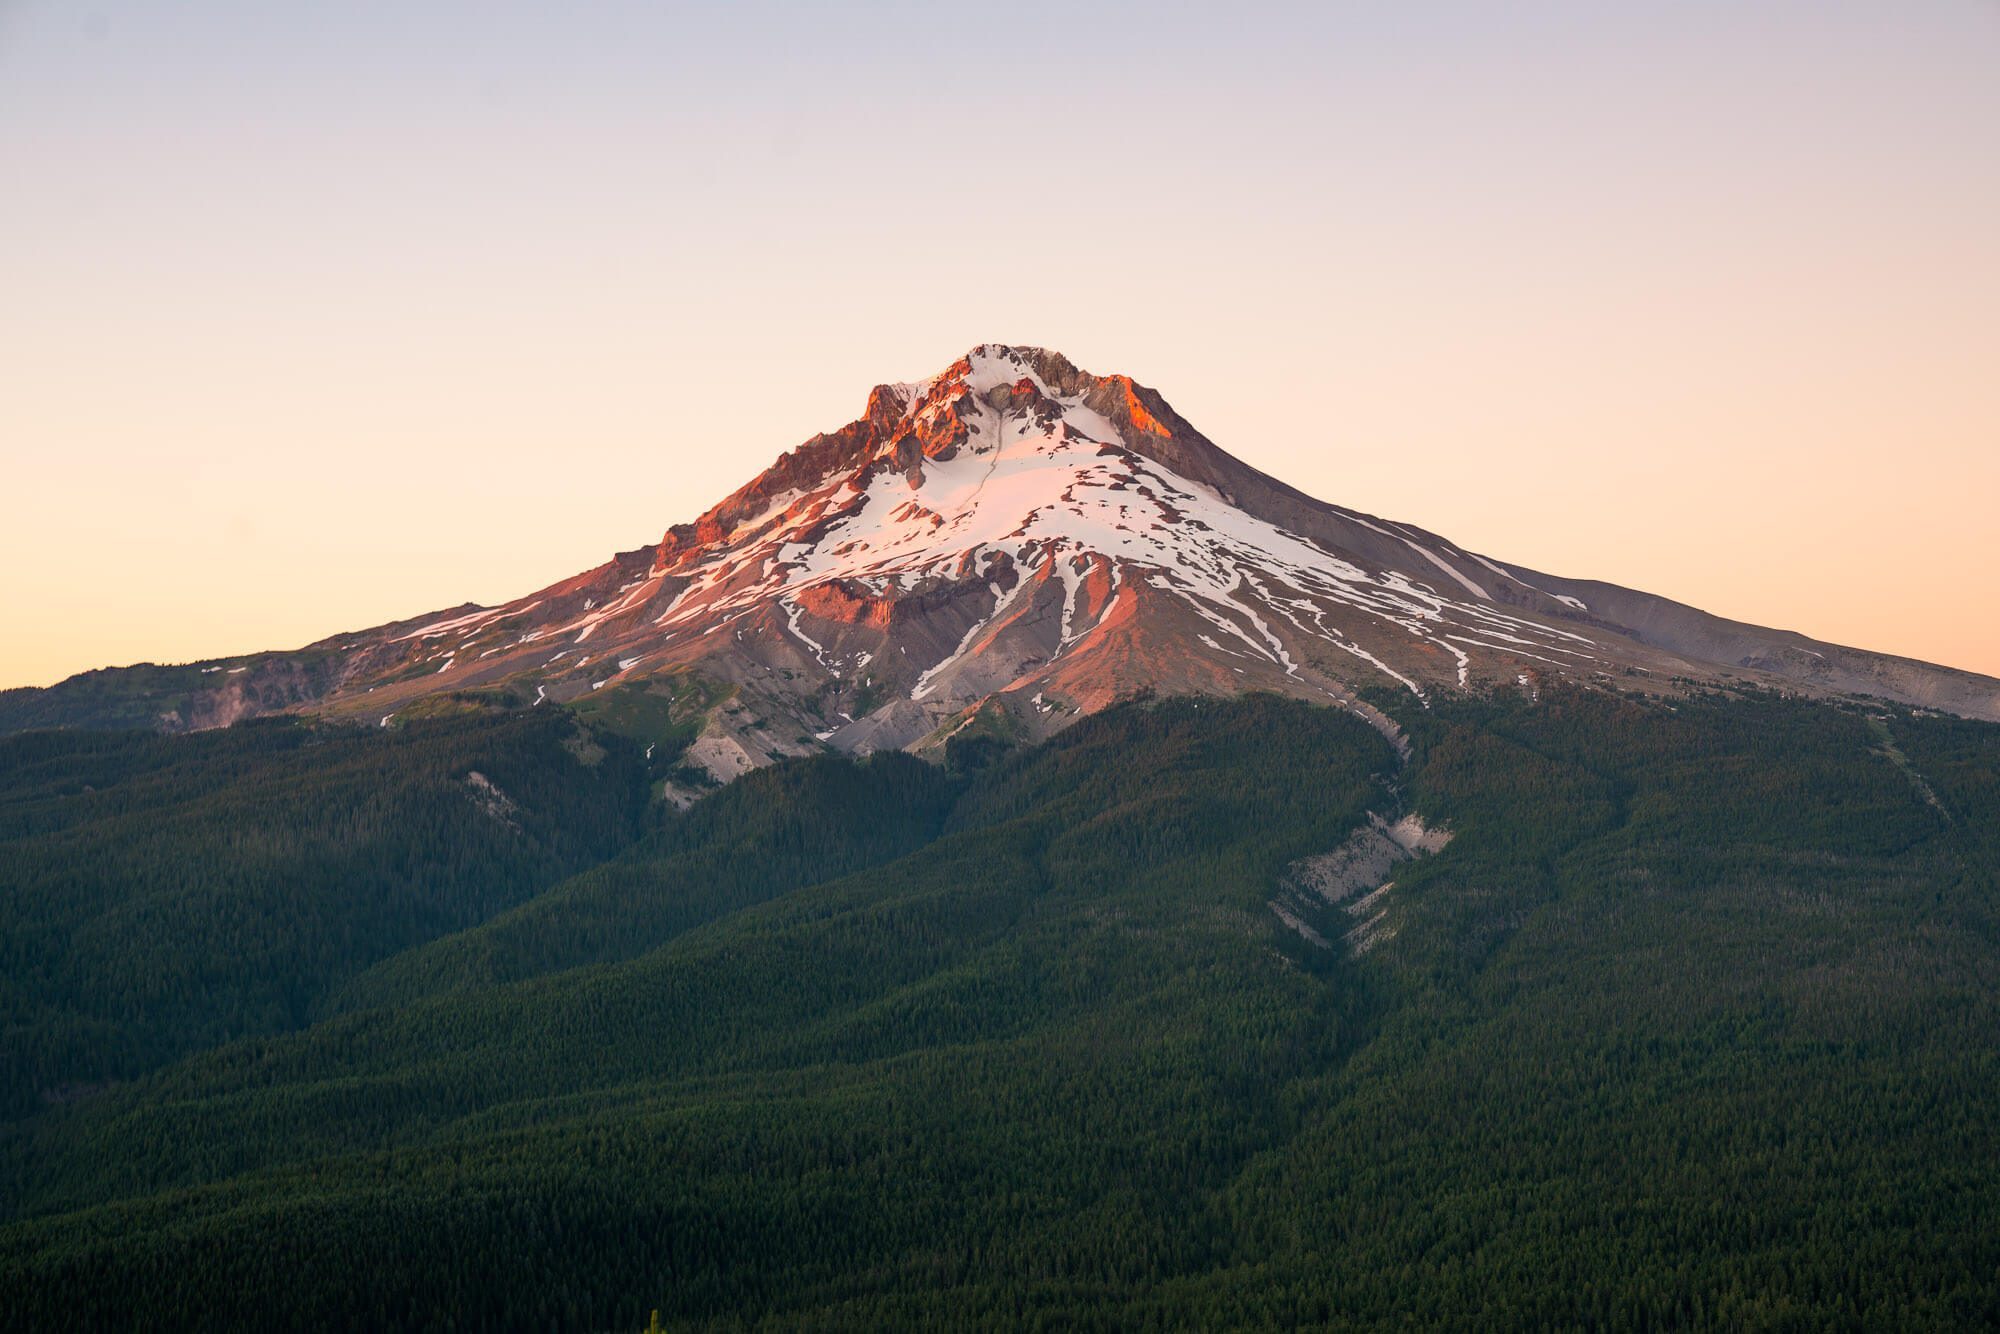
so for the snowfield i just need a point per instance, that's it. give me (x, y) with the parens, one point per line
(1047, 496)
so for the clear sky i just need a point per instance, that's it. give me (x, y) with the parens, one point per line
(317, 315)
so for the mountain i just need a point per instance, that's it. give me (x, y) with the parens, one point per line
(1292, 920)
(998, 550)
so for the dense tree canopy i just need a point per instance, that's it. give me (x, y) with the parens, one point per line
(1691, 1023)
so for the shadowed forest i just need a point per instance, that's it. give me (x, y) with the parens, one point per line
(1691, 1023)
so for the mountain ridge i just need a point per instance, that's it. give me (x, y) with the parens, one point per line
(1005, 546)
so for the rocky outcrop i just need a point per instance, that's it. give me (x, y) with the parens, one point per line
(1354, 878)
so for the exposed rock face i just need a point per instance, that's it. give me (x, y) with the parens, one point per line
(1358, 866)
(492, 802)
(1355, 878)
(1018, 539)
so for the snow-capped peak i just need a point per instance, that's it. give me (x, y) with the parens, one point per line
(1012, 521)
(1015, 542)
(1014, 533)
(1014, 472)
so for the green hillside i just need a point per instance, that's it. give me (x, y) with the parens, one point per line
(164, 894)
(1691, 1024)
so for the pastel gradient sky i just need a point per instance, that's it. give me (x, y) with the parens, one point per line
(314, 316)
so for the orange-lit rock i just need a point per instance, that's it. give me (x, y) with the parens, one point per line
(836, 602)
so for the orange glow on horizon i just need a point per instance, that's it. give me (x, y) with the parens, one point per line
(1699, 300)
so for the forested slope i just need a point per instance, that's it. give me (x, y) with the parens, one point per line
(163, 894)
(1690, 1023)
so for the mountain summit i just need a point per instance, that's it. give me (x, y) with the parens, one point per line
(1007, 545)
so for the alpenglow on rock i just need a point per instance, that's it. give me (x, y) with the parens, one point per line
(1012, 543)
